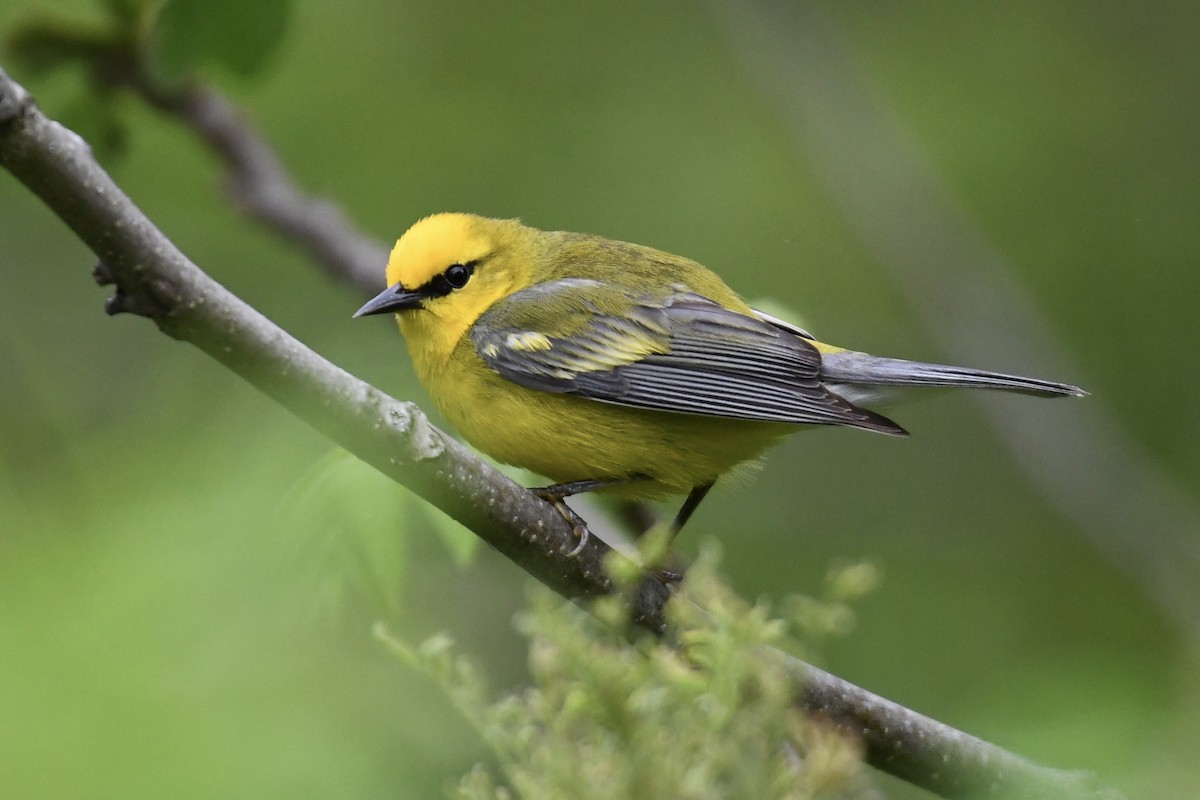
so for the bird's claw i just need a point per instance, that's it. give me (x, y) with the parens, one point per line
(584, 534)
(668, 576)
(578, 525)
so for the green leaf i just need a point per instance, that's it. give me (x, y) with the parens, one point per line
(236, 35)
(347, 527)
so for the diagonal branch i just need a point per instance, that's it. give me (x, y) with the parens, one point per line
(155, 280)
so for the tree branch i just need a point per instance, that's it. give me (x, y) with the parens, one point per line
(154, 279)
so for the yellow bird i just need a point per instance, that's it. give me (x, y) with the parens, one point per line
(607, 365)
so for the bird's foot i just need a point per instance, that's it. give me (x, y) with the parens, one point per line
(553, 496)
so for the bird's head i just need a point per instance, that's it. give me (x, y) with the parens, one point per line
(447, 269)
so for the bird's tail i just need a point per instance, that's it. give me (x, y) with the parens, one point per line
(859, 376)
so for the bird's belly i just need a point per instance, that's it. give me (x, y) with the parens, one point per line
(569, 438)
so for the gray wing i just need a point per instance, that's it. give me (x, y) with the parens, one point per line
(682, 353)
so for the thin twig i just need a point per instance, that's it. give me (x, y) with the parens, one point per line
(155, 280)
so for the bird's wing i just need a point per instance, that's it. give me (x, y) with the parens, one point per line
(681, 353)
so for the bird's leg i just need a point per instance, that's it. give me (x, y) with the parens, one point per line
(685, 513)
(688, 508)
(556, 495)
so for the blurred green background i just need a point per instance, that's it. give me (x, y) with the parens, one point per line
(182, 612)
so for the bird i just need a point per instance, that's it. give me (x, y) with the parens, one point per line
(610, 366)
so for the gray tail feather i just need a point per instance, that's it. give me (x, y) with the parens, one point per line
(849, 367)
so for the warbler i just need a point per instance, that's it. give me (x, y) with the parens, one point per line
(607, 365)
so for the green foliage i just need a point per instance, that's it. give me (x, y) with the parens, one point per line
(135, 40)
(347, 527)
(176, 39)
(831, 614)
(235, 35)
(712, 717)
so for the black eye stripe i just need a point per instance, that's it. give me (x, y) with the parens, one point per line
(456, 276)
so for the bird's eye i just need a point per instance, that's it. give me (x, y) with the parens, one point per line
(457, 275)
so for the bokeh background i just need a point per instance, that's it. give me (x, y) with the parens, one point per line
(188, 576)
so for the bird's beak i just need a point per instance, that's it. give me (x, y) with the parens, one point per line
(393, 298)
